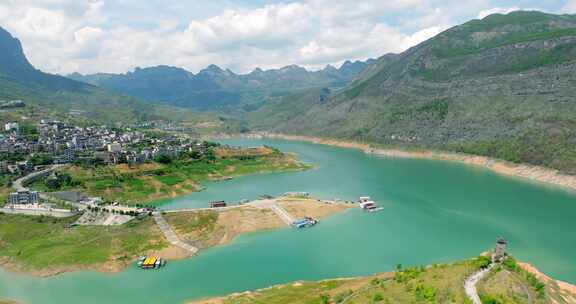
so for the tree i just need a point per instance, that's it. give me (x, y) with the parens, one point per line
(210, 156)
(163, 159)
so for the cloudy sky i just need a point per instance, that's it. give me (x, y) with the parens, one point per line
(87, 36)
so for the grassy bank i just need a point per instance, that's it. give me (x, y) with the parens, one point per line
(434, 284)
(45, 246)
(155, 180)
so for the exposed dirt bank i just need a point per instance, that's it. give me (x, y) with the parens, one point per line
(534, 173)
(569, 289)
(221, 227)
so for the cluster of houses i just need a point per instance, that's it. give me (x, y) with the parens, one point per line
(16, 168)
(65, 143)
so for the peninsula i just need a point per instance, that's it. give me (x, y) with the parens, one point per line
(113, 248)
(509, 282)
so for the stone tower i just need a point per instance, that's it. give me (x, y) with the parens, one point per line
(500, 251)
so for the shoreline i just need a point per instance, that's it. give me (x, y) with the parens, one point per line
(524, 171)
(564, 286)
(567, 290)
(233, 223)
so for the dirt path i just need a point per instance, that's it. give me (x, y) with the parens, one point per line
(170, 235)
(470, 285)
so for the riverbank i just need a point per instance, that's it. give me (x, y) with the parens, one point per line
(154, 181)
(42, 246)
(441, 283)
(112, 249)
(534, 173)
(564, 286)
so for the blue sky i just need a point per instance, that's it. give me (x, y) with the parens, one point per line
(88, 36)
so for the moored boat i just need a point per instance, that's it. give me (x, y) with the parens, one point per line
(368, 205)
(305, 222)
(145, 262)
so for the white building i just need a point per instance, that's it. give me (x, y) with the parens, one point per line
(11, 126)
(114, 147)
(24, 197)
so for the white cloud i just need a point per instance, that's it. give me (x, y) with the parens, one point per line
(497, 10)
(569, 7)
(90, 36)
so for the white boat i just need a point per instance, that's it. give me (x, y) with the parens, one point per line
(368, 205)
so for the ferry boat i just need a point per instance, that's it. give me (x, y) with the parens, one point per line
(305, 223)
(145, 262)
(368, 205)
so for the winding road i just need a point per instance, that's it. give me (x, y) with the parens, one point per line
(18, 184)
(470, 285)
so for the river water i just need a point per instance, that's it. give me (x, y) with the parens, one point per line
(435, 212)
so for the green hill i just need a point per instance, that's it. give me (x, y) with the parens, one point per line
(441, 283)
(503, 86)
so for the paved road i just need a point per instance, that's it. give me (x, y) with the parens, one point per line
(17, 184)
(203, 209)
(170, 235)
(470, 285)
(271, 204)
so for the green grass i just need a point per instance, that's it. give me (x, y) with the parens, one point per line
(434, 284)
(203, 222)
(143, 184)
(41, 242)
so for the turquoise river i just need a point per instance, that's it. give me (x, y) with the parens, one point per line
(434, 212)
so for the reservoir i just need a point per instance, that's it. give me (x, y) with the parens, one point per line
(434, 212)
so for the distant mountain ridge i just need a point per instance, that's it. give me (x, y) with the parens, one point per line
(19, 79)
(503, 86)
(215, 88)
(15, 65)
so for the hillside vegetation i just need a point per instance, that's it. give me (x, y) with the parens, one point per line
(436, 284)
(502, 87)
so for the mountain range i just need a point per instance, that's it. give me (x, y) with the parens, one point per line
(214, 88)
(503, 86)
(22, 81)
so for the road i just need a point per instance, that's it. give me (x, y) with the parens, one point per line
(470, 285)
(18, 184)
(170, 235)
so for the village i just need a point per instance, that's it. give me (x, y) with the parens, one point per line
(31, 152)
(56, 142)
